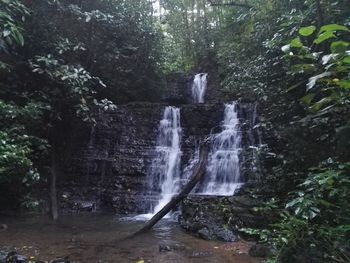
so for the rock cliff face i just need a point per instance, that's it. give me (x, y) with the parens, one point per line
(109, 168)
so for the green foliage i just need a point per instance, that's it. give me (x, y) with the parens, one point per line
(17, 171)
(191, 35)
(328, 72)
(65, 61)
(315, 223)
(319, 221)
(10, 27)
(11, 32)
(14, 158)
(307, 31)
(324, 191)
(73, 84)
(115, 41)
(303, 92)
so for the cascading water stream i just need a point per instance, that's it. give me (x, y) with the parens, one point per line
(199, 87)
(169, 141)
(223, 170)
(164, 176)
(223, 175)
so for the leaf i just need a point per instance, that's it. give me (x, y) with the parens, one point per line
(303, 68)
(295, 86)
(313, 80)
(312, 214)
(308, 98)
(285, 48)
(20, 39)
(293, 202)
(102, 84)
(296, 42)
(323, 37)
(321, 103)
(284, 240)
(333, 27)
(327, 58)
(307, 31)
(345, 84)
(347, 60)
(339, 46)
(6, 33)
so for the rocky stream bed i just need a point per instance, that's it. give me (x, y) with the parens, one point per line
(91, 238)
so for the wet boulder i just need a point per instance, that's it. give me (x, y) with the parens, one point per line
(13, 257)
(217, 233)
(205, 233)
(226, 235)
(3, 254)
(220, 218)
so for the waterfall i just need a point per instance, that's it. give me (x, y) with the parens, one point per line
(164, 176)
(223, 170)
(199, 87)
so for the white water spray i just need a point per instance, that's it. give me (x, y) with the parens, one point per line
(223, 170)
(199, 87)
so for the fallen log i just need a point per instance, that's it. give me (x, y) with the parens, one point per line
(197, 177)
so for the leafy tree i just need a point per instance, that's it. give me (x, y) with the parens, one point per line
(18, 150)
(291, 56)
(191, 32)
(76, 54)
(10, 28)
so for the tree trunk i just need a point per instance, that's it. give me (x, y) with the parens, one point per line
(197, 177)
(53, 190)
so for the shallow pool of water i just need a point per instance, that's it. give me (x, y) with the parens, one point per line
(104, 238)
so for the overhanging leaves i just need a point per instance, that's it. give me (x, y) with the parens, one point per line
(307, 31)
